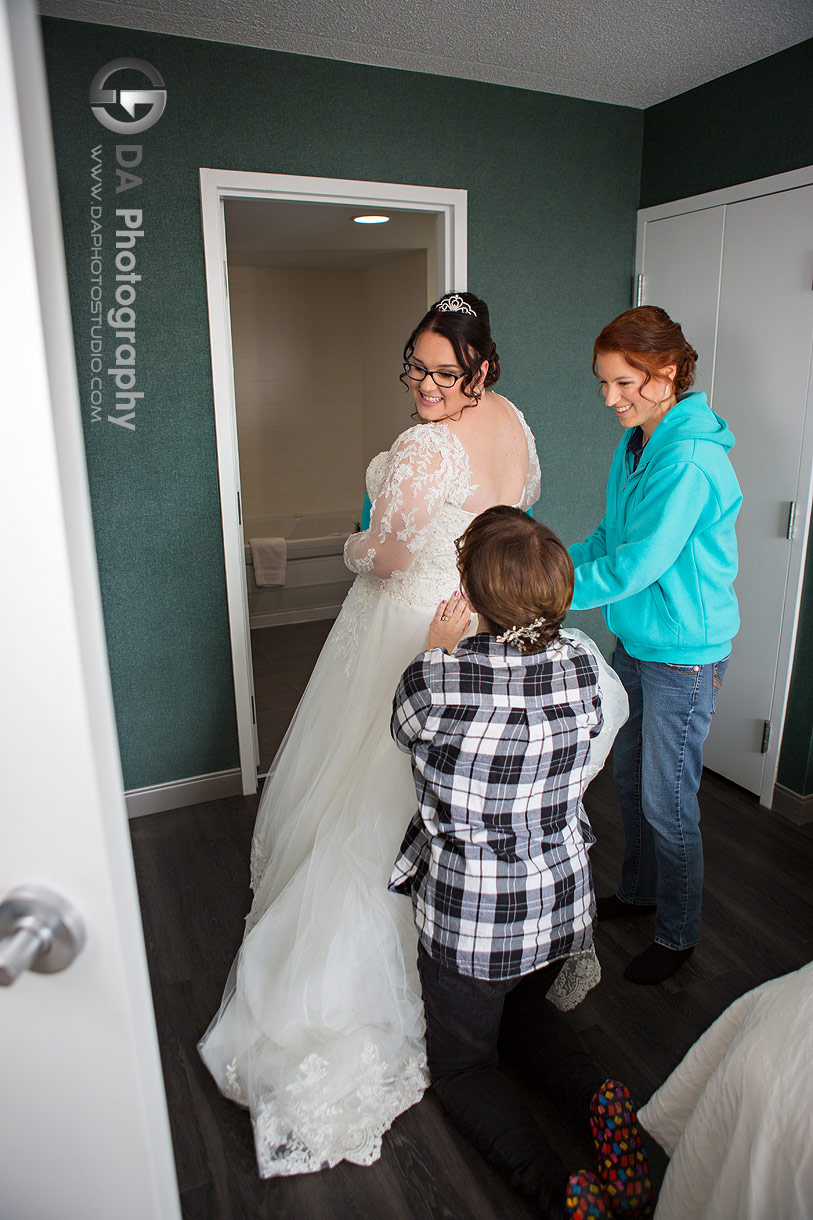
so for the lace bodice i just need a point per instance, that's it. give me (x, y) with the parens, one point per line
(418, 490)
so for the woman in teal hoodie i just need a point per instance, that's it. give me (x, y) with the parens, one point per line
(661, 565)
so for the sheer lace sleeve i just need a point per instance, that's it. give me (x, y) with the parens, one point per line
(416, 479)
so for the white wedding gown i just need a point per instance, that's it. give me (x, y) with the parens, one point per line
(320, 1031)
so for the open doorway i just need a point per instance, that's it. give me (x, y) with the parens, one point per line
(308, 316)
(320, 307)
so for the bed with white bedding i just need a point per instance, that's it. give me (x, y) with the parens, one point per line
(736, 1115)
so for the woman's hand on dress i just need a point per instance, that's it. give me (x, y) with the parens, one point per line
(450, 623)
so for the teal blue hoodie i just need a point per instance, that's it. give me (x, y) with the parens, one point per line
(661, 565)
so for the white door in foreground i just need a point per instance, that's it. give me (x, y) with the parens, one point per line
(83, 1128)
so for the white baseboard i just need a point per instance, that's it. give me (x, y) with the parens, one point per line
(797, 809)
(182, 792)
(281, 618)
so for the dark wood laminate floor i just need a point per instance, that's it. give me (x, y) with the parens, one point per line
(282, 660)
(192, 868)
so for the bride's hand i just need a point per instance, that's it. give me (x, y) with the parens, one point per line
(450, 623)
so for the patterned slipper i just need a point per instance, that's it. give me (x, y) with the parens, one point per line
(623, 1168)
(586, 1197)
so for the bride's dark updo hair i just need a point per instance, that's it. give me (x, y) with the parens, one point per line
(463, 319)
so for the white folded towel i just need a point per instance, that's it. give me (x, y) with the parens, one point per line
(270, 559)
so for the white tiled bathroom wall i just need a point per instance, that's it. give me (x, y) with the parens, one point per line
(317, 353)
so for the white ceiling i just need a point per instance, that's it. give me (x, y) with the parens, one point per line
(629, 52)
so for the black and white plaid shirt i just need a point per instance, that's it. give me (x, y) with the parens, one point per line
(495, 858)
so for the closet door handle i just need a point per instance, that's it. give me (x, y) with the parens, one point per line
(791, 520)
(39, 930)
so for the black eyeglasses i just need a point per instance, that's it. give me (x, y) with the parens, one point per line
(415, 372)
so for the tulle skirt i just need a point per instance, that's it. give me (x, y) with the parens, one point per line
(320, 1031)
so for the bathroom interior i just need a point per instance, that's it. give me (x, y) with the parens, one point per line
(320, 309)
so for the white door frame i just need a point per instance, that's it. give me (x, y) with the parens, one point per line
(798, 542)
(216, 186)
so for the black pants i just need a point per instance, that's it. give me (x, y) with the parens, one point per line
(471, 1026)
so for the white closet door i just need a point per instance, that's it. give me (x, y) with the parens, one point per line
(682, 256)
(737, 276)
(760, 387)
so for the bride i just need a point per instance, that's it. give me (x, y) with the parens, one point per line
(320, 1031)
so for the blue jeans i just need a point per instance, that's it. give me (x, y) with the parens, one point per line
(657, 764)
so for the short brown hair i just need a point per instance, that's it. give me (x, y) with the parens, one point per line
(648, 339)
(514, 570)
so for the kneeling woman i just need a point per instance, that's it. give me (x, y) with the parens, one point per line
(495, 860)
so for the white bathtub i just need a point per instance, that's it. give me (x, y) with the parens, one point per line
(316, 580)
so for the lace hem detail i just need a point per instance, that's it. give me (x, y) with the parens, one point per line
(579, 975)
(310, 1131)
(230, 1086)
(258, 861)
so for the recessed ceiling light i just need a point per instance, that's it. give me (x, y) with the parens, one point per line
(370, 220)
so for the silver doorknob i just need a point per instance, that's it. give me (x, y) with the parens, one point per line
(39, 930)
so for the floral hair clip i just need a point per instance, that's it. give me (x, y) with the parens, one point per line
(522, 635)
(455, 304)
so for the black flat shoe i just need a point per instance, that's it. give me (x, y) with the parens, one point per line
(612, 907)
(656, 964)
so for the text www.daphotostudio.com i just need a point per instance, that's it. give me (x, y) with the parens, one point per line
(118, 316)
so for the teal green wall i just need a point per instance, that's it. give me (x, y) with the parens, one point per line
(552, 190)
(746, 125)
